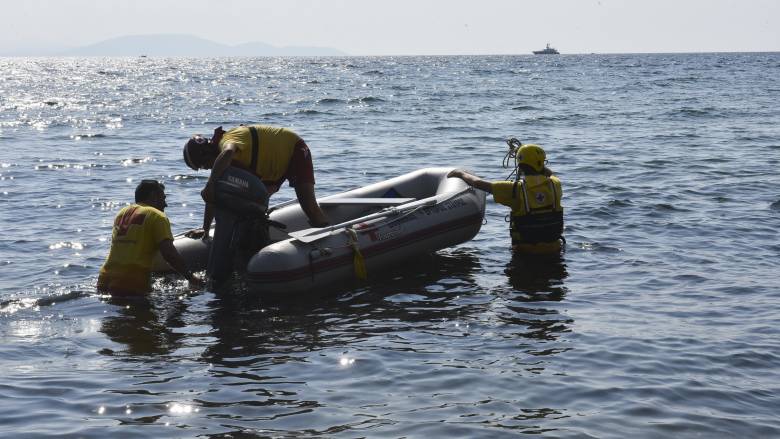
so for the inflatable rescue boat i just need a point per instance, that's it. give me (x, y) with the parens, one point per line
(373, 228)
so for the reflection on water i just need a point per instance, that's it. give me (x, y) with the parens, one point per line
(419, 291)
(539, 278)
(146, 325)
(422, 294)
(306, 364)
(536, 281)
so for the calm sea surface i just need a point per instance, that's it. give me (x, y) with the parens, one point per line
(661, 320)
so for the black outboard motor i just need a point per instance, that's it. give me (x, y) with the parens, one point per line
(241, 224)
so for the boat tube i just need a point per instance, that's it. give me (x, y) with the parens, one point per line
(373, 228)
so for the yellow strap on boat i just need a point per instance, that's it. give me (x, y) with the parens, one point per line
(357, 257)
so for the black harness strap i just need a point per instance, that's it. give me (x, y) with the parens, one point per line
(538, 227)
(540, 224)
(255, 148)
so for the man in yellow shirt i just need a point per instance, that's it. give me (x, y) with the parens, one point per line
(272, 154)
(536, 224)
(140, 231)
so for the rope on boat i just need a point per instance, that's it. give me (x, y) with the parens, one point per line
(357, 258)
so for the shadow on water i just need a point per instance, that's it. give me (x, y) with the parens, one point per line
(407, 325)
(536, 284)
(423, 293)
(146, 325)
(244, 324)
(538, 278)
(419, 292)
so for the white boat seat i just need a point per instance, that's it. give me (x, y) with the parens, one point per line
(365, 201)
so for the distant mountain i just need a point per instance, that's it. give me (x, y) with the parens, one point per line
(178, 45)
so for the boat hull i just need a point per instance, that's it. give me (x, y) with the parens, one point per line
(445, 212)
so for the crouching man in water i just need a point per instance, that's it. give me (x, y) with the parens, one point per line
(270, 153)
(140, 230)
(536, 223)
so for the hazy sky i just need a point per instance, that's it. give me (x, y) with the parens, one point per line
(425, 27)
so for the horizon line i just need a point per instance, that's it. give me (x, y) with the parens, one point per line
(347, 55)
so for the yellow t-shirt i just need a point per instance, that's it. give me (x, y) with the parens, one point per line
(276, 146)
(138, 231)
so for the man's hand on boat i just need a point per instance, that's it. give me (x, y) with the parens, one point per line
(471, 180)
(456, 173)
(197, 234)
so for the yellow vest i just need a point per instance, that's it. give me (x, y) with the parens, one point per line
(535, 201)
(138, 231)
(543, 193)
(276, 146)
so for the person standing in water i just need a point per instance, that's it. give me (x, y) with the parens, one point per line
(140, 231)
(534, 197)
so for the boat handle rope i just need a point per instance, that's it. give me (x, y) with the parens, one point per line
(358, 262)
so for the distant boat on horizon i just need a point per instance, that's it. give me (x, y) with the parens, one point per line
(547, 51)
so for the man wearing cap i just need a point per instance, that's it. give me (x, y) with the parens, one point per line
(273, 154)
(140, 231)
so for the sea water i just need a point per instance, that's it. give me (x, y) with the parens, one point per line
(661, 319)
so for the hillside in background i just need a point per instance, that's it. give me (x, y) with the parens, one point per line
(175, 45)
